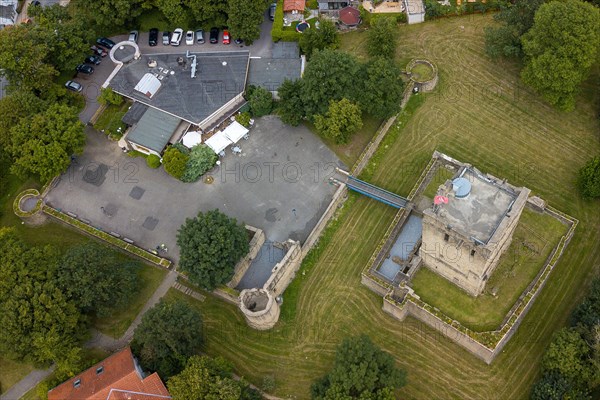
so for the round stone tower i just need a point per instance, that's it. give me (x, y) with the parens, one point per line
(260, 308)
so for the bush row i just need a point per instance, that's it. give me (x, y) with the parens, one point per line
(277, 32)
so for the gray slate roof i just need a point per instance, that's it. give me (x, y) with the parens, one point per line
(269, 73)
(134, 114)
(220, 77)
(153, 130)
(286, 50)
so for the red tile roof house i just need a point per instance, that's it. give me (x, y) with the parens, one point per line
(293, 10)
(118, 377)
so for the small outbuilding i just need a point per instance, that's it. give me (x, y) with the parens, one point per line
(349, 16)
(152, 132)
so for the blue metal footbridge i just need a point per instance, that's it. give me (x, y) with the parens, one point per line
(372, 191)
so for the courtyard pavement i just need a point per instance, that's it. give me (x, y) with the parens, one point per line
(280, 183)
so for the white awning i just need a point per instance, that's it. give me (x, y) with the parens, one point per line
(235, 131)
(192, 139)
(218, 142)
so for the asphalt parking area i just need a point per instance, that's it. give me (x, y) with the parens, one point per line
(279, 183)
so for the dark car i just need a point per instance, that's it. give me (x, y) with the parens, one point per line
(272, 9)
(153, 37)
(166, 38)
(99, 51)
(214, 35)
(74, 86)
(85, 69)
(238, 41)
(105, 42)
(95, 60)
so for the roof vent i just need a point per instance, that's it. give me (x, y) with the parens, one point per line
(461, 187)
(224, 63)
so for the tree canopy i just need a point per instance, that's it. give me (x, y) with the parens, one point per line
(343, 118)
(38, 323)
(18, 105)
(383, 88)
(96, 281)
(210, 246)
(325, 37)
(43, 145)
(245, 17)
(361, 370)
(175, 162)
(290, 107)
(382, 38)
(588, 180)
(514, 21)
(201, 159)
(331, 75)
(260, 100)
(112, 13)
(168, 335)
(560, 49)
(209, 11)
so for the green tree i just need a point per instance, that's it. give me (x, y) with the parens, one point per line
(587, 313)
(382, 38)
(588, 180)
(108, 96)
(342, 120)
(174, 10)
(210, 245)
(14, 107)
(202, 158)
(67, 38)
(560, 49)
(331, 75)
(383, 88)
(206, 12)
(260, 100)
(168, 335)
(326, 37)
(514, 20)
(153, 161)
(95, 280)
(245, 17)
(37, 322)
(23, 59)
(361, 370)
(290, 107)
(175, 162)
(205, 378)
(569, 355)
(111, 13)
(554, 386)
(44, 144)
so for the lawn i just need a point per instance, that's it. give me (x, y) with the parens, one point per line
(350, 152)
(12, 372)
(110, 122)
(481, 114)
(440, 177)
(115, 326)
(533, 241)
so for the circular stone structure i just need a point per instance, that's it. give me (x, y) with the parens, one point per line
(259, 308)
(423, 73)
(27, 203)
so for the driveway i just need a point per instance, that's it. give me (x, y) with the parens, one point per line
(279, 184)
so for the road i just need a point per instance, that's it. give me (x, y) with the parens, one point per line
(262, 47)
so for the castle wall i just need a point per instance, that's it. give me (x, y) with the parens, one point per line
(242, 266)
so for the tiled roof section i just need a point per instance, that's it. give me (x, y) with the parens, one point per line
(116, 373)
(290, 5)
(349, 16)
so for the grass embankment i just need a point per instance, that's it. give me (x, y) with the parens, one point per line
(534, 239)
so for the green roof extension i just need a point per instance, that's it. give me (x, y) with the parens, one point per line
(153, 130)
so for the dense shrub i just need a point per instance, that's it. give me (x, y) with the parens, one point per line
(243, 118)
(175, 162)
(153, 161)
(588, 181)
(201, 159)
(260, 100)
(108, 96)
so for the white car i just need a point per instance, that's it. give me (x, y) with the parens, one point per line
(189, 38)
(176, 38)
(133, 36)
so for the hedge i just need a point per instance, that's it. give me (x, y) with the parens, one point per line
(277, 32)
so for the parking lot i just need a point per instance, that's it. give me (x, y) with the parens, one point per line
(279, 184)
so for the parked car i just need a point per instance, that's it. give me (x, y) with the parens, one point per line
(214, 35)
(99, 51)
(74, 86)
(166, 38)
(176, 38)
(85, 69)
(133, 36)
(238, 41)
(226, 38)
(200, 36)
(153, 37)
(95, 60)
(105, 42)
(272, 9)
(189, 38)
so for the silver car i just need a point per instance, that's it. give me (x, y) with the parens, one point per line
(133, 36)
(176, 38)
(74, 86)
(200, 36)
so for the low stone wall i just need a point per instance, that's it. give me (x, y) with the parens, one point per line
(284, 271)
(428, 85)
(338, 199)
(375, 286)
(256, 243)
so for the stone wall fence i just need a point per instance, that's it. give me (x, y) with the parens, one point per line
(256, 243)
